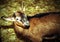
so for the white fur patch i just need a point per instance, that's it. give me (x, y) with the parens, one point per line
(10, 19)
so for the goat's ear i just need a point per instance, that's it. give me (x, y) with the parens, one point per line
(9, 19)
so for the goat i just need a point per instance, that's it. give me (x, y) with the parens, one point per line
(40, 25)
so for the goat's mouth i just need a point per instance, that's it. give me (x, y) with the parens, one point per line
(19, 25)
(22, 25)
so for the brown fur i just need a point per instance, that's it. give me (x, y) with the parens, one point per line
(40, 27)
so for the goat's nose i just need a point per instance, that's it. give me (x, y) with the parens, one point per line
(27, 26)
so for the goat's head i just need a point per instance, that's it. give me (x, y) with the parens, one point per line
(20, 18)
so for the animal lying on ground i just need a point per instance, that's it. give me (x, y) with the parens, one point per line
(38, 25)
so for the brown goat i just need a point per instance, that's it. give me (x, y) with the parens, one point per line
(39, 27)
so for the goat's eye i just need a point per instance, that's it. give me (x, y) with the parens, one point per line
(17, 19)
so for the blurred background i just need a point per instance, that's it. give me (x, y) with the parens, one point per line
(29, 7)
